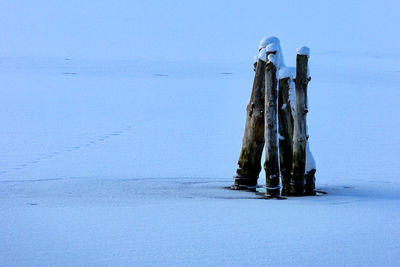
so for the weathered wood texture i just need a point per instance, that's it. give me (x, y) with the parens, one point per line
(309, 187)
(286, 134)
(253, 138)
(299, 129)
(271, 164)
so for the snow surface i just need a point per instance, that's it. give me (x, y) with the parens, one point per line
(89, 160)
(112, 156)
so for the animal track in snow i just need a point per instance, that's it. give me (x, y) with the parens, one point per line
(70, 149)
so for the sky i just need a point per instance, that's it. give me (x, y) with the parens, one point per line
(198, 31)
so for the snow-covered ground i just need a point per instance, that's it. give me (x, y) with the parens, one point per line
(117, 139)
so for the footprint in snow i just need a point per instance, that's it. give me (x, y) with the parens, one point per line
(56, 153)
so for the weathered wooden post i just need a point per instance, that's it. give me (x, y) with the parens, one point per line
(285, 129)
(309, 187)
(271, 164)
(300, 122)
(253, 139)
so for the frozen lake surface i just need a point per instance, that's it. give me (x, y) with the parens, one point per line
(124, 162)
(116, 165)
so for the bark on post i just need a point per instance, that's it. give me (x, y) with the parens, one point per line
(271, 164)
(285, 134)
(299, 131)
(253, 138)
(309, 188)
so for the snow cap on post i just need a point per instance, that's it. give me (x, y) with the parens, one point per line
(272, 47)
(268, 40)
(287, 72)
(262, 55)
(304, 50)
(273, 51)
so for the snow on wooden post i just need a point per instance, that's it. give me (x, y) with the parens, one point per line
(285, 129)
(271, 164)
(253, 139)
(300, 122)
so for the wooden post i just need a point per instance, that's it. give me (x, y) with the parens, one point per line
(253, 139)
(271, 164)
(309, 188)
(285, 134)
(300, 122)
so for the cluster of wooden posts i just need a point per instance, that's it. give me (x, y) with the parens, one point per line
(270, 109)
